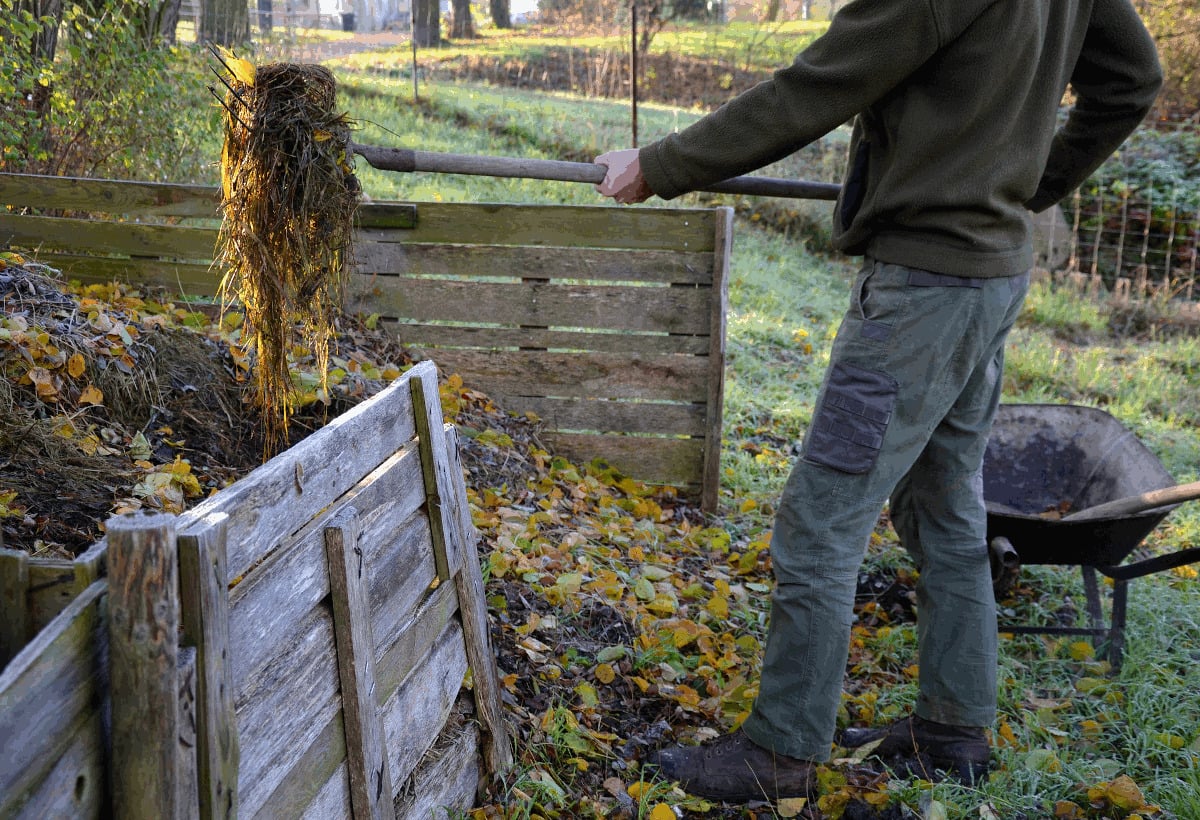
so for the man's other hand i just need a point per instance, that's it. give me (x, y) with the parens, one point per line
(624, 181)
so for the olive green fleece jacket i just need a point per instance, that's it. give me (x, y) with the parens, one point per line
(956, 131)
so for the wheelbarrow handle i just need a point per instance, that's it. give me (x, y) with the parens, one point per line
(1134, 504)
(407, 160)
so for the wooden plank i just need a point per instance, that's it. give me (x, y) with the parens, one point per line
(283, 712)
(435, 471)
(710, 470)
(603, 415)
(74, 786)
(653, 460)
(46, 690)
(14, 583)
(270, 605)
(370, 781)
(585, 226)
(204, 600)
(143, 619)
(266, 506)
(333, 800)
(170, 241)
(416, 712)
(52, 586)
(472, 605)
(446, 784)
(582, 375)
(590, 264)
(317, 785)
(426, 336)
(187, 796)
(412, 641)
(609, 307)
(187, 278)
(89, 565)
(109, 196)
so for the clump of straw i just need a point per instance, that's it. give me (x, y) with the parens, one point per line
(288, 200)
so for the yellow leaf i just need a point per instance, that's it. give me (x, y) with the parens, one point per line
(791, 806)
(635, 790)
(1125, 794)
(91, 395)
(748, 505)
(1081, 651)
(76, 365)
(243, 70)
(605, 673)
(719, 607)
(662, 811)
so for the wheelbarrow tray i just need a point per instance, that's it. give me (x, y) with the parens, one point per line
(1045, 457)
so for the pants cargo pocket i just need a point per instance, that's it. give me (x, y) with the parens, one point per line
(847, 431)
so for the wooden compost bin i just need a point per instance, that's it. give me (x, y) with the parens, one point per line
(295, 646)
(608, 323)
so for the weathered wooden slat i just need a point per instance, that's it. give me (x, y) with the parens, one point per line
(170, 241)
(188, 278)
(370, 781)
(187, 793)
(427, 337)
(435, 472)
(446, 783)
(143, 620)
(609, 307)
(74, 786)
(412, 641)
(585, 226)
(303, 480)
(333, 800)
(283, 711)
(14, 586)
(268, 607)
(204, 600)
(710, 470)
(47, 690)
(472, 598)
(416, 712)
(109, 196)
(580, 375)
(608, 416)
(311, 788)
(590, 264)
(51, 588)
(655, 460)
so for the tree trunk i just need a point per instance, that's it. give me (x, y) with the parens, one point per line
(224, 22)
(427, 24)
(264, 16)
(501, 13)
(772, 13)
(463, 27)
(806, 10)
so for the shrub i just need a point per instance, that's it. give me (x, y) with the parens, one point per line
(108, 101)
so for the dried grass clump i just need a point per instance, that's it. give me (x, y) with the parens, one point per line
(289, 197)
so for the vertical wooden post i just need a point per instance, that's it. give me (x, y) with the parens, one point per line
(472, 607)
(143, 626)
(14, 609)
(427, 414)
(710, 488)
(204, 594)
(366, 761)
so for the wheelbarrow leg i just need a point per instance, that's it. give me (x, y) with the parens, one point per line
(1115, 645)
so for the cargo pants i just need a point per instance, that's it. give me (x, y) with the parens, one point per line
(904, 412)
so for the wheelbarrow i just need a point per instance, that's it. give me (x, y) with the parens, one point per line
(1046, 473)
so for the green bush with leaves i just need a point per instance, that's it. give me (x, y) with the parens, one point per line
(105, 100)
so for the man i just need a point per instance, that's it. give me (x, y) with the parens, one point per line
(955, 106)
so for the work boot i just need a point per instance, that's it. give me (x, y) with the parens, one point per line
(923, 748)
(736, 769)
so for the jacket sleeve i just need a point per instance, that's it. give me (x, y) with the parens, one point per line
(870, 47)
(1115, 81)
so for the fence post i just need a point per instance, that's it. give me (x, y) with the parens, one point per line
(14, 581)
(151, 772)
